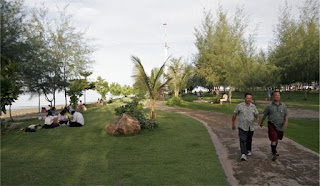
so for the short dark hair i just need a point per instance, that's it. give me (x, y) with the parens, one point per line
(245, 95)
(49, 113)
(72, 112)
(276, 91)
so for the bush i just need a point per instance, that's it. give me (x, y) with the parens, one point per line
(135, 109)
(174, 101)
(216, 99)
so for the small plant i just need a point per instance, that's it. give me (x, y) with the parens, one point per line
(216, 99)
(174, 101)
(135, 109)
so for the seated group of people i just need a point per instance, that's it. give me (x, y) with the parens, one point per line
(73, 119)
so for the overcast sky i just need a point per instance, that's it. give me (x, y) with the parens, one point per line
(122, 28)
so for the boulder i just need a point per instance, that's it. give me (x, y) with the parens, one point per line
(125, 124)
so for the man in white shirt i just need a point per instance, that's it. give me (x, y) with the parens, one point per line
(77, 121)
(247, 112)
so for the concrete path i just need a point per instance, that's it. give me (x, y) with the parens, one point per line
(296, 164)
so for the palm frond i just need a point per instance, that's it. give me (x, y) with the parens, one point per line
(160, 72)
(141, 74)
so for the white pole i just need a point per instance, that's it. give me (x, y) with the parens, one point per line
(165, 42)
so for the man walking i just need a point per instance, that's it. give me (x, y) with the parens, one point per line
(277, 121)
(247, 112)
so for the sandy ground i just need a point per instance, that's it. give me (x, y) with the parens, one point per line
(296, 164)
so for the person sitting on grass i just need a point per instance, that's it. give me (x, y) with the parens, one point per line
(77, 120)
(224, 98)
(63, 118)
(50, 121)
(84, 108)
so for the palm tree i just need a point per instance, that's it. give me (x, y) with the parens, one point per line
(152, 85)
(179, 73)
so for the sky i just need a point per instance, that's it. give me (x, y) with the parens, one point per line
(121, 28)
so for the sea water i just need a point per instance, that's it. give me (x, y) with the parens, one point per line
(27, 101)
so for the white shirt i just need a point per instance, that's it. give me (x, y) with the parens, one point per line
(48, 120)
(62, 117)
(77, 117)
(246, 115)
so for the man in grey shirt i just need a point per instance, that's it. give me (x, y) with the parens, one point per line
(247, 112)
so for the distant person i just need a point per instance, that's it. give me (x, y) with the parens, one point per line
(53, 111)
(63, 118)
(79, 107)
(101, 101)
(224, 98)
(247, 112)
(201, 94)
(269, 94)
(77, 119)
(50, 121)
(70, 109)
(84, 108)
(44, 110)
(277, 121)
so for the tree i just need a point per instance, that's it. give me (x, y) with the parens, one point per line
(179, 74)
(75, 90)
(39, 57)
(152, 85)
(295, 49)
(86, 74)
(115, 89)
(70, 50)
(126, 90)
(219, 47)
(58, 53)
(11, 51)
(102, 87)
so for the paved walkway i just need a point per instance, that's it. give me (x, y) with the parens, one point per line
(296, 164)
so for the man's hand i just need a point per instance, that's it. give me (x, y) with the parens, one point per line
(261, 125)
(286, 125)
(233, 126)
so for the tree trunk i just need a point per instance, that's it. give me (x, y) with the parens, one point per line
(217, 91)
(230, 94)
(39, 103)
(289, 96)
(84, 96)
(176, 92)
(54, 98)
(305, 93)
(152, 109)
(65, 97)
(10, 113)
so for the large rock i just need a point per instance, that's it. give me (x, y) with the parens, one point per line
(125, 124)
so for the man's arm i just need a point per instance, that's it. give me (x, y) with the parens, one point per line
(257, 118)
(286, 122)
(234, 117)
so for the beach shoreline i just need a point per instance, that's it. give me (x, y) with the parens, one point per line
(25, 111)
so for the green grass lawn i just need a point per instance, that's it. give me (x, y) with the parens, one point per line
(178, 152)
(303, 131)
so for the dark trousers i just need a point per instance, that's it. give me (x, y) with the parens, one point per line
(245, 140)
(75, 124)
(50, 126)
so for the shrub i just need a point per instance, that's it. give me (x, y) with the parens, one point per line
(174, 101)
(135, 109)
(216, 99)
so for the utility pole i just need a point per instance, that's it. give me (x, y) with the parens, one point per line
(165, 42)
